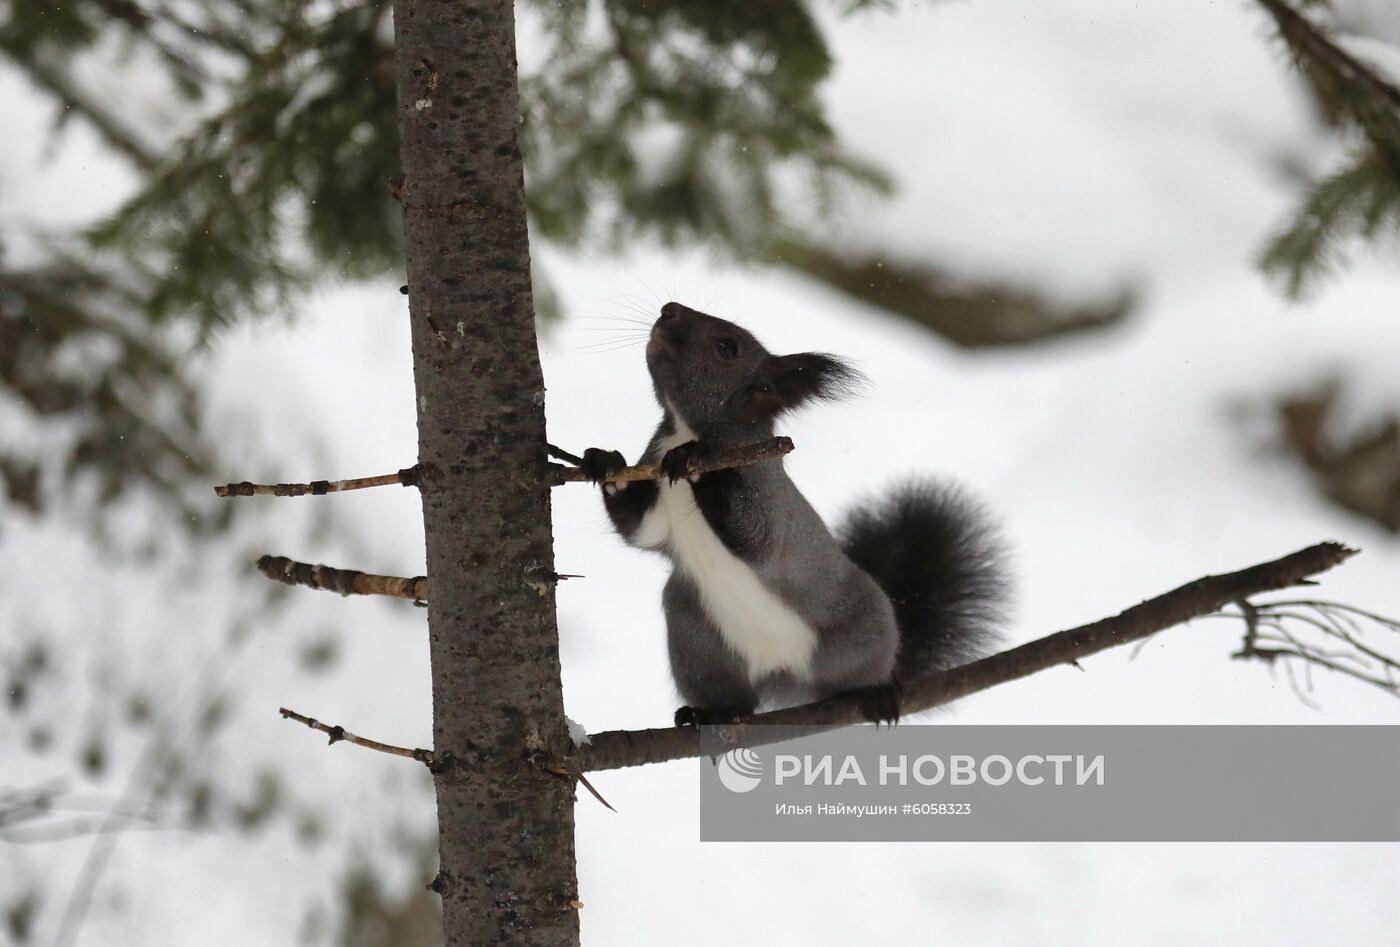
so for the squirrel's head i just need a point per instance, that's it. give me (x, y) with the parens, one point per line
(714, 373)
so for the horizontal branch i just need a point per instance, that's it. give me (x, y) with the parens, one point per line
(407, 477)
(770, 449)
(618, 748)
(344, 581)
(340, 733)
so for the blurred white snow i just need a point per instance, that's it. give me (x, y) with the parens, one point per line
(1070, 144)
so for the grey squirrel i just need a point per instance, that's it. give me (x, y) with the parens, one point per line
(764, 605)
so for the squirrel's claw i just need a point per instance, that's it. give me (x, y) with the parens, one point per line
(880, 704)
(598, 464)
(676, 463)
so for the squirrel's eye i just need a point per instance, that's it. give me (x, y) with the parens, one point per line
(726, 348)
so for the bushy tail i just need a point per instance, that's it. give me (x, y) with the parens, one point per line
(940, 560)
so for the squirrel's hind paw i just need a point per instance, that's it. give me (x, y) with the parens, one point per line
(708, 716)
(881, 703)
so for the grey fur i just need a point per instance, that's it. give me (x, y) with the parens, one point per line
(772, 527)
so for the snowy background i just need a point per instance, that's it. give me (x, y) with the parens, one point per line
(1071, 144)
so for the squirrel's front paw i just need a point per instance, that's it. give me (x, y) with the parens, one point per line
(599, 465)
(676, 464)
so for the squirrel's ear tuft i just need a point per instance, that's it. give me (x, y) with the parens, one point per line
(812, 376)
(790, 381)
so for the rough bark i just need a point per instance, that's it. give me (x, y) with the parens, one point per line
(506, 826)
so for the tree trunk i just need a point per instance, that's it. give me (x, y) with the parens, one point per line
(506, 826)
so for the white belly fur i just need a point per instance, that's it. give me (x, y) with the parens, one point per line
(761, 629)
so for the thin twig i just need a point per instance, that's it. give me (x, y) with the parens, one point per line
(771, 449)
(344, 581)
(558, 453)
(562, 768)
(407, 477)
(596, 794)
(1337, 622)
(618, 748)
(338, 733)
(1321, 605)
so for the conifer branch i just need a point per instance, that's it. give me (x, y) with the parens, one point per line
(338, 733)
(1361, 198)
(1344, 84)
(1204, 596)
(74, 99)
(344, 581)
(1307, 40)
